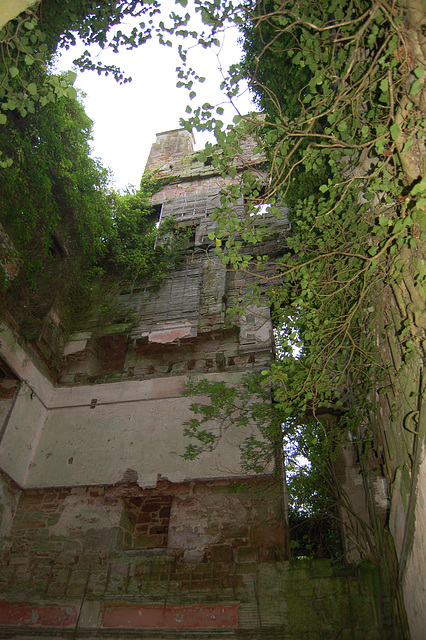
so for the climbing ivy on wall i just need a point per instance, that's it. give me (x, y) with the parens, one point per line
(358, 122)
(342, 88)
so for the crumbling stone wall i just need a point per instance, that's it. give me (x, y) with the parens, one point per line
(397, 474)
(142, 596)
(189, 521)
(106, 527)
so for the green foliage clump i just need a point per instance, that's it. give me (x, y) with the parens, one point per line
(344, 107)
(60, 221)
(138, 248)
(53, 199)
(309, 450)
(279, 87)
(62, 228)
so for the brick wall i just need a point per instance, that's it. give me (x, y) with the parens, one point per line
(130, 594)
(218, 519)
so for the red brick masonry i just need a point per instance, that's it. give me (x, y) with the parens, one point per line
(37, 615)
(216, 616)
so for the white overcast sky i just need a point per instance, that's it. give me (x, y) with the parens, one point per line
(127, 117)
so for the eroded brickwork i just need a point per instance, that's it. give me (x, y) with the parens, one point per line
(215, 520)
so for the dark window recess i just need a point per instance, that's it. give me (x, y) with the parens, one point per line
(208, 162)
(155, 215)
(56, 248)
(6, 372)
(9, 382)
(145, 522)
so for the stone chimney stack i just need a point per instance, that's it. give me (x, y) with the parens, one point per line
(169, 148)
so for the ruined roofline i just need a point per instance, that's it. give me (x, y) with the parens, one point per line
(173, 156)
(164, 133)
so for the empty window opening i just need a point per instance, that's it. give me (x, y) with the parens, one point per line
(56, 248)
(155, 216)
(145, 522)
(9, 382)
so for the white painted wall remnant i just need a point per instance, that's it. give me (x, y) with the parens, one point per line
(165, 336)
(84, 443)
(91, 434)
(20, 438)
(82, 512)
(256, 326)
(74, 346)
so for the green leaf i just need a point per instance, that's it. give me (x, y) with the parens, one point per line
(407, 145)
(3, 118)
(14, 71)
(420, 187)
(415, 88)
(394, 131)
(419, 71)
(71, 76)
(399, 225)
(32, 88)
(384, 85)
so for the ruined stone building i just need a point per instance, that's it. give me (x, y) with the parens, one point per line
(107, 531)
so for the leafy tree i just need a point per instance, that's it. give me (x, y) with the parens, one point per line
(52, 196)
(314, 498)
(138, 248)
(279, 87)
(358, 121)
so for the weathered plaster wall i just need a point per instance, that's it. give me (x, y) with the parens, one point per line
(395, 464)
(129, 596)
(21, 434)
(95, 435)
(25, 412)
